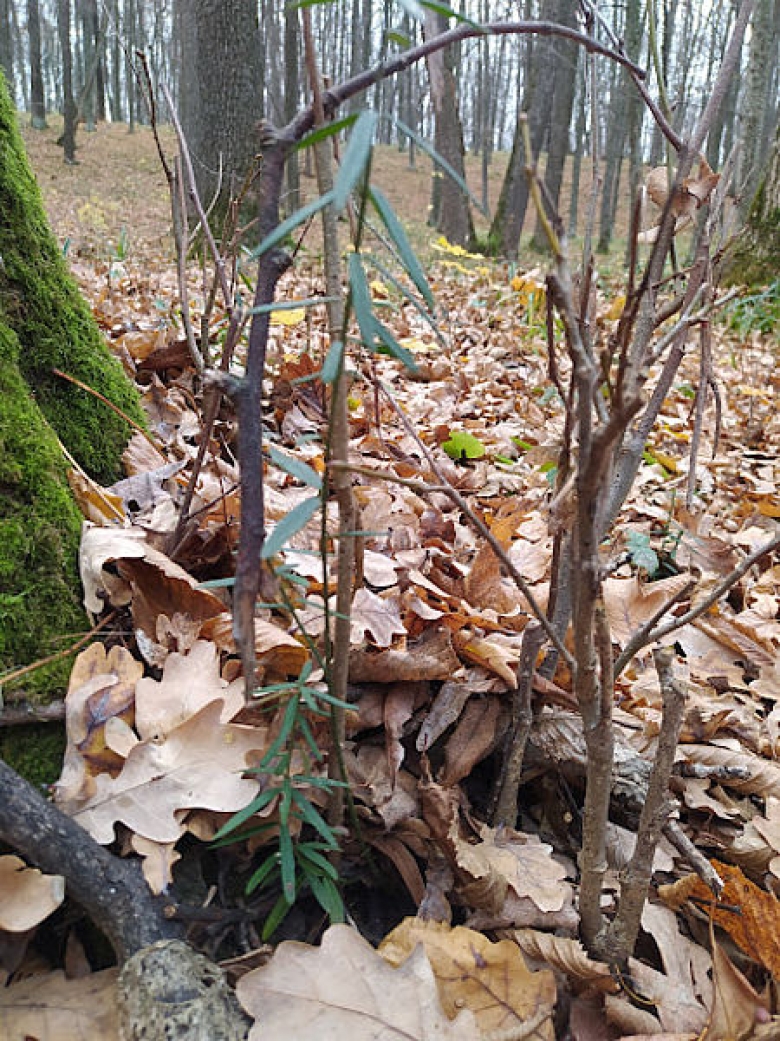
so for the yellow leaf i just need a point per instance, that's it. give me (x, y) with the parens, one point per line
(379, 290)
(443, 246)
(616, 310)
(667, 461)
(289, 318)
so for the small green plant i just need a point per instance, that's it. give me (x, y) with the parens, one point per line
(758, 312)
(642, 554)
(122, 247)
(299, 854)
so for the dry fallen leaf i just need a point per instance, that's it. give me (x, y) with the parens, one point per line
(26, 895)
(53, 1008)
(199, 765)
(490, 979)
(188, 683)
(344, 989)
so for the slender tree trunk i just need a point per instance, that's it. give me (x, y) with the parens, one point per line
(37, 96)
(759, 71)
(451, 212)
(566, 59)
(291, 89)
(69, 110)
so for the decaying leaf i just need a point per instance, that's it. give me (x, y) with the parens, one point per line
(345, 989)
(750, 915)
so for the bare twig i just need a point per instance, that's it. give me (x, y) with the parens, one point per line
(620, 939)
(505, 810)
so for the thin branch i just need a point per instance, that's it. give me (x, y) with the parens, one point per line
(622, 933)
(641, 637)
(715, 594)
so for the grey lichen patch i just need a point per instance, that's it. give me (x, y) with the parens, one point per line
(169, 991)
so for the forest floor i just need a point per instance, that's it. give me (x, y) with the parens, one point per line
(435, 643)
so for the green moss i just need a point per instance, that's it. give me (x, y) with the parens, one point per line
(40, 608)
(42, 304)
(34, 751)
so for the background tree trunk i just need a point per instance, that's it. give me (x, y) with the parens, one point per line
(69, 111)
(755, 256)
(451, 213)
(219, 92)
(37, 96)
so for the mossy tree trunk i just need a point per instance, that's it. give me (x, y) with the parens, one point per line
(45, 324)
(755, 256)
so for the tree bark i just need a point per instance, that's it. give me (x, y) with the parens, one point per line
(37, 97)
(220, 85)
(451, 211)
(754, 258)
(69, 111)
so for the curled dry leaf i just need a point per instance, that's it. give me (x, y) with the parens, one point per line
(736, 1009)
(490, 979)
(750, 915)
(344, 989)
(430, 658)
(475, 736)
(148, 579)
(27, 896)
(630, 603)
(278, 653)
(568, 956)
(101, 690)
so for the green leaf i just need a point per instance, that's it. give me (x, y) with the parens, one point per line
(293, 522)
(292, 222)
(257, 804)
(310, 851)
(413, 8)
(392, 347)
(398, 235)
(356, 157)
(312, 816)
(287, 863)
(288, 722)
(408, 296)
(462, 445)
(267, 868)
(361, 300)
(441, 162)
(295, 468)
(278, 913)
(394, 36)
(328, 897)
(332, 364)
(447, 12)
(324, 132)
(290, 305)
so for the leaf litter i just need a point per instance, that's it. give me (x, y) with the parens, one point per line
(160, 745)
